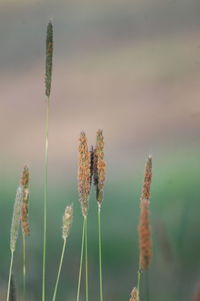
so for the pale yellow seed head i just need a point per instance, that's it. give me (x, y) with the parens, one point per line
(67, 221)
(16, 218)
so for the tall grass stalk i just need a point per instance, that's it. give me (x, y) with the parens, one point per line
(59, 270)
(67, 222)
(100, 254)
(10, 274)
(45, 199)
(14, 230)
(24, 182)
(99, 179)
(86, 259)
(84, 187)
(24, 265)
(81, 261)
(48, 76)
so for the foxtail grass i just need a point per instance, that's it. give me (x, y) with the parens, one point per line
(144, 228)
(99, 179)
(24, 221)
(84, 185)
(48, 79)
(14, 230)
(67, 223)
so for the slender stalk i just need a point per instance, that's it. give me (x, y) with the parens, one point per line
(45, 198)
(86, 260)
(81, 261)
(24, 266)
(138, 284)
(59, 270)
(100, 254)
(10, 273)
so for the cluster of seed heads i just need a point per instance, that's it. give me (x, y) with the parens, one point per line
(91, 167)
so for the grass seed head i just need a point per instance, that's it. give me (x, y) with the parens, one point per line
(16, 218)
(67, 221)
(25, 202)
(49, 58)
(84, 173)
(147, 180)
(100, 166)
(145, 242)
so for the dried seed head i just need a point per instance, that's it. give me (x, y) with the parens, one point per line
(145, 236)
(134, 295)
(99, 152)
(49, 58)
(67, 221)
(16, 218)
(144, 228)
(84, 173)
(25, 202)
(91, 164)
(24, 181)
(147, 180)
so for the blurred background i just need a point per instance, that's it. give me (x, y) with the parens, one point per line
(131, 68)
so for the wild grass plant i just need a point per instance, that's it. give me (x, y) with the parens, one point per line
(91, 174)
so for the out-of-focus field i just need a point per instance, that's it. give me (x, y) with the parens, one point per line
(132, 69)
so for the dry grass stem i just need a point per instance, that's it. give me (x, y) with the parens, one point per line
(84, 173)
(67, 221)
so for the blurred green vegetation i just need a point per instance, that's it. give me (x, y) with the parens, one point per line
(175, 222)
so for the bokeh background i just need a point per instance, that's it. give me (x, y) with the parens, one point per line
(131, 68)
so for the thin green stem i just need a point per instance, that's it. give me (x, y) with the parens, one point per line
(45, 200)
(81, 262)
(138, 285)
(100, 254)
(59, 270)
(86, 260)
(10, 273)
(24, 266)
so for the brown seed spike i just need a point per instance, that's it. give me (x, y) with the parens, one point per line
(100, 165)
(147, 180)
(25, 202)
(145, 236)
(84, 173)
(144, 228)
(49, 58)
